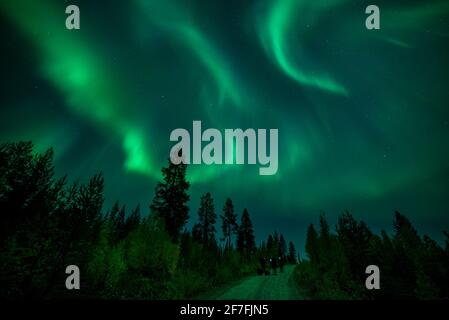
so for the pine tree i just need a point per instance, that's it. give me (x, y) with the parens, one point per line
(89, 203)
(28, 189)
(207, 218)
(114, 212)
(291, 253)
(354, 238)
(170, 199)
(263, 249)
(245, 240)
(229, 223)
(407, 245)
(133, 220)
(312, 248)
(276, 243)
(196, 232)
(31, 203)
(324, 230)
(282, 251)
(270, 245)
(405, 232)
(121, 223)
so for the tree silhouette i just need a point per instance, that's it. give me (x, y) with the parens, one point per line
(133, 221)
(245, 239)
(270, 245)
(291, 257)
(312, 249)
(207, 218)
(170, 200)
(282, 252)
(355, 239)
(229, 223)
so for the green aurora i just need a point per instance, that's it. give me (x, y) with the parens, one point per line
(362, 114)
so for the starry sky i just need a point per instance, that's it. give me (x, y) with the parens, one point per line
(363, 115)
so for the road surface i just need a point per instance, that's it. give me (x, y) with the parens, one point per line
(272, 287)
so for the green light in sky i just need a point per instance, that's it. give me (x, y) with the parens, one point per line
(90, 88)
(274, 31)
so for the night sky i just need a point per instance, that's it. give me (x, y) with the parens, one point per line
(363, 115)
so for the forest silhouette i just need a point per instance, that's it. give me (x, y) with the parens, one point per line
(48, 223)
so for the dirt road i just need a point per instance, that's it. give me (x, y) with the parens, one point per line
(272, 287)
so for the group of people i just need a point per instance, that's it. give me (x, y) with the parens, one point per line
(271, 264)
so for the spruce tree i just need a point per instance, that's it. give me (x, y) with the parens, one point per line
(229, 223)
(114, 211)
(282, 251)
(312, 248)
(196, 232)
(207, 218)
(133, 220)
(121, 223)
(170, 199)
(270, 245)
(276, 243)
(245, 240)
(405, 232)
(291, 253)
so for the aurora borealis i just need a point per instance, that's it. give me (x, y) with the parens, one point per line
(362, 114)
